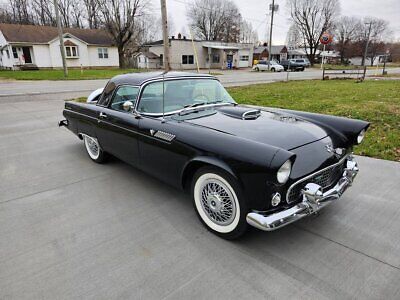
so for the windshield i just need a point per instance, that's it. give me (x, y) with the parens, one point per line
(182, 93)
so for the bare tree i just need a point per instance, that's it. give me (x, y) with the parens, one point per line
(20, 11)
(122, 20)
(43, 12)
(247, 33)
(77, 17)
(293, 37)
(379, 31)
(65, 7)
(92, 13)
(346, 31)
(215, 20)
(312, 18)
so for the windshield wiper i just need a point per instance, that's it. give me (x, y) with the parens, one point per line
(195, 104)
(189, 107)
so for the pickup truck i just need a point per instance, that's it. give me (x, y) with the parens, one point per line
(292, 65)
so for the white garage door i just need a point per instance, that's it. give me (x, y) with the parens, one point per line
(244, 59)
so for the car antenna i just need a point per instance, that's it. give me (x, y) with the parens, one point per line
(163, 98)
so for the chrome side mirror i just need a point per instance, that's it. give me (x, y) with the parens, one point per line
(127, 106)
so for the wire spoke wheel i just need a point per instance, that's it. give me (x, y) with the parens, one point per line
(217, 202)
(92, 146)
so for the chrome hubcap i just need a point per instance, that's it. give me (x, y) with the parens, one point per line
(92, 146)
(217, 202)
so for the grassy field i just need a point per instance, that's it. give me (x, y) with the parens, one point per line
(73, 74)
(375, 101)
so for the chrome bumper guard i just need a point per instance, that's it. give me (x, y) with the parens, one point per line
(313, 200)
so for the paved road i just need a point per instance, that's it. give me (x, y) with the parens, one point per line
(83, 87)
(73, 229)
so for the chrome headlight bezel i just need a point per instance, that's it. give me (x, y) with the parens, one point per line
(361, 136)
(284, 171)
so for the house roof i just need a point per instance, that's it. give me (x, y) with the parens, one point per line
(69, 43)
(259, 50)
(274, 49)
(148, 54)
(16, 33)
(220, 47)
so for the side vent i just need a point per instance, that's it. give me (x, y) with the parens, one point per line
(251, 114)
(162, 135)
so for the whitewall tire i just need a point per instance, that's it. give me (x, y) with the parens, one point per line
(93, 149)
(218, 202)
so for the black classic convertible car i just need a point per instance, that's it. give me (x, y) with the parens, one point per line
(242, 165)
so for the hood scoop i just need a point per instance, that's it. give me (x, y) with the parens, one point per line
(244, 113)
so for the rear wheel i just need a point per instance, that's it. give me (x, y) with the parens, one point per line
(256, 69)
(93, 149)
(272, 69)
(218, 201)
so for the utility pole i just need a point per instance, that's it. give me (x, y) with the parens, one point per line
(272, 9)
(366, 48)
(165, 35)
(60, 37)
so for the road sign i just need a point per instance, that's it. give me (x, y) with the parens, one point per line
(274, 8)
(326, 38)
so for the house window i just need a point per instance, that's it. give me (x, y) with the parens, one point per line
(15, 53)
(187, 60)
(102, 52)
(244, 58)
(215, 59)
(8, 53)
(71, 51)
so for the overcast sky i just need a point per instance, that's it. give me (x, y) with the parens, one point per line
(255, 12)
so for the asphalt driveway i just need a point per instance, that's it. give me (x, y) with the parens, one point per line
(70, 228)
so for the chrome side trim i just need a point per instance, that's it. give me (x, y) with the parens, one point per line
(313, 200)
(162, 135)
(315, 173)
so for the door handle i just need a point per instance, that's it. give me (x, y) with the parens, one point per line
(103, 115)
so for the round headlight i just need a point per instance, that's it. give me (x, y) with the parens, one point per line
(360, 136)
(284, 172)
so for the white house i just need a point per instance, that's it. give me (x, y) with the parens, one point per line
(213, 54)
(148, 60)
(33, 46)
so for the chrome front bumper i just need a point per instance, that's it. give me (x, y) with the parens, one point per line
(313, 200)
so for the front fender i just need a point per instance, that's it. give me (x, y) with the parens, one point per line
(193, 164)
(343, 131)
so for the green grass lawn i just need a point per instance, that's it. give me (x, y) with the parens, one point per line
(375, 101)
(73, 74)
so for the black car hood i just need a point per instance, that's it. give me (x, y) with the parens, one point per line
(271, 127)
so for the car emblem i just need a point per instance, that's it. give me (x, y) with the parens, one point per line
(329, 148)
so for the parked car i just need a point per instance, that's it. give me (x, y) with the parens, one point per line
(263, 66)
(292, 65)
(304, 61)
(242, 165)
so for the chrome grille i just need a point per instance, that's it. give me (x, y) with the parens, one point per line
(326, 178)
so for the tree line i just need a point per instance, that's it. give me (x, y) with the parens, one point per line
(219, 20)
(311, 18)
